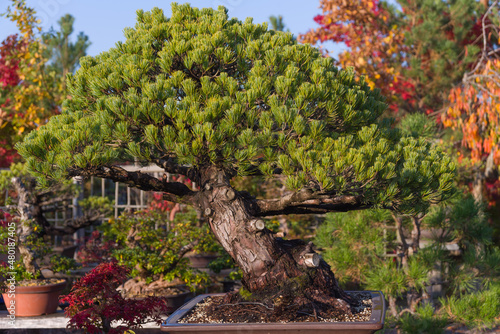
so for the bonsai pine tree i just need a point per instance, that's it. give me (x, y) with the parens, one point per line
(211, 98)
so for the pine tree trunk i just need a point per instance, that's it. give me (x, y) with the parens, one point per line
(271, 266)
(392, 306)
(25, 208)
(478, 187)
(415, 234)
(401, 238)
(490, 174)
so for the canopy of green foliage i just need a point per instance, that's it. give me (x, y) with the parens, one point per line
(199, 89)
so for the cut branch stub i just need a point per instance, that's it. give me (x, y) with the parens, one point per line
(229, 194)
(78, 179)
(208, 187)
(257, 224)
(208, 212)
(311, 260)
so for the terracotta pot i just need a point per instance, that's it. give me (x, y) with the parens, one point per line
(32, 301)
(375, 323)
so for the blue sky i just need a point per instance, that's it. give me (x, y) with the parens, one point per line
(104, 20)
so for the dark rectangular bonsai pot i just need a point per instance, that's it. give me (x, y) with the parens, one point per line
(375, 323)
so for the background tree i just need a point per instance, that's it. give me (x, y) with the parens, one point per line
(63, 53)
(9, 78)
(442, 59)
(33, 206)
(414, 52)
(34, 99)
(31, 93)
(32, 85)
(442, 40)
(277, 23)
(429, 57)
(211, 98)
(374, 38)
(474, 110)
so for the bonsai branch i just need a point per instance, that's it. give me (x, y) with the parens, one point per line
(187, 248)
(54, 203)
(72, 225)
(173, 191)
(306, 201)
(170, 166)
(183, 251)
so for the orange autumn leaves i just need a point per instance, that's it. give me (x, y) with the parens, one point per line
(475, 111)
(37, 98)
(374, 40)
(418, 53)
(36, 93)
(474, 108)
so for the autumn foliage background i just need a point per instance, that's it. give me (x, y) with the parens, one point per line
(438, 58)
(33, 66)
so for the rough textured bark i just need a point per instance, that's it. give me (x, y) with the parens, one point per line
(478, 187)
(415, 234)
(392, 306)
(25, 208)
(270, 265)
(403, 252)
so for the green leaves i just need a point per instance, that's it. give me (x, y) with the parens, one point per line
(206, 90)
(157, 251)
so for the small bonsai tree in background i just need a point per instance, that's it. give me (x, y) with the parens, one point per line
(96, 306)
(13, 266)
(32, 208)
(154, 248)
(210, 98)
(24, 265)
(41, 205)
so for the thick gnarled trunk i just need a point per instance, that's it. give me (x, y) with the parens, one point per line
(271, 266)
(26, 230)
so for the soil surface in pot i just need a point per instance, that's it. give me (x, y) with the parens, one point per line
(40, 282)
(216, 309)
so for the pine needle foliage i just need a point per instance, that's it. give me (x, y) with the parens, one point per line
(201, 89)
(476, 309)
(353, 243)
(424, 320)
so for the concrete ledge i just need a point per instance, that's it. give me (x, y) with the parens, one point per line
(52, 324)
(68, 331)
